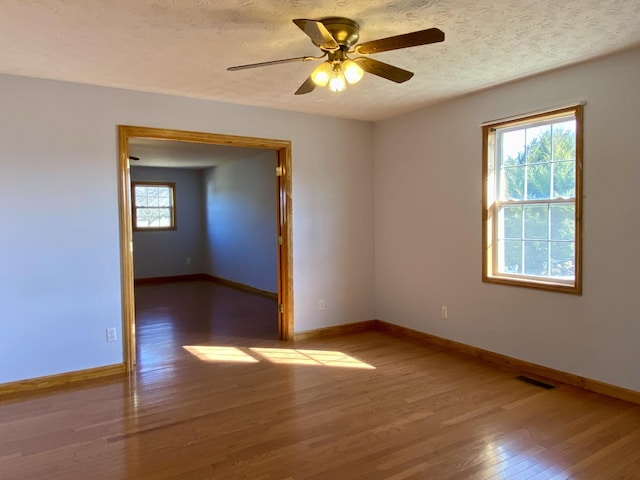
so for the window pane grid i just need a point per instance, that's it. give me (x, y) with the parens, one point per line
(153, 206)
(527, 158)
(535, 182)
(528, 246)
(531, 201)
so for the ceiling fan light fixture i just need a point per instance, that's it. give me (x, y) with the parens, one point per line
(322, 74)
(352, 71)
(337, 37)
(337, 82)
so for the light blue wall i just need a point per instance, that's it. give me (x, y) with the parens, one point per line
(164, 253)
(226, 220)
(59, 238)
(241, 222)
(428, 171)
(60, 279)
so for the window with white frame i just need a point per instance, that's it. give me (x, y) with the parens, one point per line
(153, 205)
(532, 202)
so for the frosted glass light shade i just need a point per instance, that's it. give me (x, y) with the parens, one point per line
(337, 81)
(321, 74)
(352, 71)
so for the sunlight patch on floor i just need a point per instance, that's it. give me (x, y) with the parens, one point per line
(287, 356)
(310, 357)
(220, 354)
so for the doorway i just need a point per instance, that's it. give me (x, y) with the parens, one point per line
(282, 149)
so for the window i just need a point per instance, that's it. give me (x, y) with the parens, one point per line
(532, 201)
(153, 206)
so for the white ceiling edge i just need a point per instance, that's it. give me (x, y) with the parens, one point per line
(190, 155)
(183, 48)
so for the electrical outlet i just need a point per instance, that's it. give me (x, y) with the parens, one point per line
(188, 260)
(444, 312)
(112, 336)
(320, 304)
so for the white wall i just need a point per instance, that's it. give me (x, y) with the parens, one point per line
(59, 253)
(164, 253)
(428, 226)
(241, 222)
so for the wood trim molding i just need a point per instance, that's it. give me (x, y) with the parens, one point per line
(126, 251)
(345, 329)
(282, 149)
(241, 286)
(514, 363)
(490, 205)
(503, 361)
(196, 277)
(61, 379)
(285, 247)
(521, 366)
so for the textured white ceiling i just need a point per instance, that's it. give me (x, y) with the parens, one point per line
(170, 154)
(183, 47)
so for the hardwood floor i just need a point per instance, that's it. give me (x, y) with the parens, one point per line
(361, 406)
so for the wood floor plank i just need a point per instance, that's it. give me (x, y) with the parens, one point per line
(361, 406)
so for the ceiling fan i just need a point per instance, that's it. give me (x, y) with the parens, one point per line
(337, 37)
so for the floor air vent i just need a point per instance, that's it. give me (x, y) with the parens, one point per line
(533, 381)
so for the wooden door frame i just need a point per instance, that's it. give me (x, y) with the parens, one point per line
(284, 225)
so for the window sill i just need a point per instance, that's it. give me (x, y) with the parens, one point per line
(154, 229)
(575, 289)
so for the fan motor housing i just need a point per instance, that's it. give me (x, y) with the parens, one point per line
(344, 30)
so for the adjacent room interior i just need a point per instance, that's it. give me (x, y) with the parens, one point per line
(327, 307)
(216, 252)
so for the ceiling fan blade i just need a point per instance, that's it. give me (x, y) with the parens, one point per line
(307, 87)
(383, 70)
(413, 39)
(272, 62)
(317, 32)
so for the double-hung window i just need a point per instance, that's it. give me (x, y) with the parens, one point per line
(153, 205)
(532, 201)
